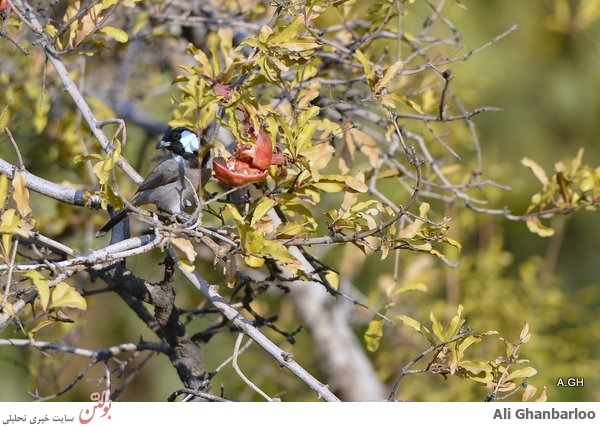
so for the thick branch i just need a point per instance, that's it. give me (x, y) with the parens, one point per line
(48, 188)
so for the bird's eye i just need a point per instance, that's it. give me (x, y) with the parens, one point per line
(176, 136)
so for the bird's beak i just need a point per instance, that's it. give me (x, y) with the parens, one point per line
(163, 144)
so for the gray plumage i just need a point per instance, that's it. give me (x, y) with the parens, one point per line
(172, 186)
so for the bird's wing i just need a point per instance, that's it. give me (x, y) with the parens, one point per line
(164, 173)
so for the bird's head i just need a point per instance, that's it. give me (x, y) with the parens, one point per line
(180, 141)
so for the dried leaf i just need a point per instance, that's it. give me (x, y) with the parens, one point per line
(543, 397)
(537, 170)
(529, 392)
(525, 335)
(231, 271)
(21, 194)
(184, 247)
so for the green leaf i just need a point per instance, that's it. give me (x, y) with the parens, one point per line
(115, 33)
(66, 296)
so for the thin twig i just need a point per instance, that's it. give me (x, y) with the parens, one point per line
(405, 369)
(236, 367)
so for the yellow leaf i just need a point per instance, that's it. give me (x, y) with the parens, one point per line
(409, 321)
(40, 282)
(329, 186)
(455, 324)
(525, 335)
(535, 226)
(300, 45)
(418, 286)
(21, 194)
(39, 326)
(254, 262)
(264, 206)
(521, 373)
(288, 32)
(3, 189)
(10, 222)
(64, 295)
(277, 251)
(106, 4)
(388, 76)
(413, 229)
(373, 334)
(356, 183)
(9, 309)
(436, 326)
(365, 144)
(365, 63)
(537, 170)
(333, 278)
(81, 158)
(115, 33)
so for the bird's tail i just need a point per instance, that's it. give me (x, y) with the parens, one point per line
(112, 222)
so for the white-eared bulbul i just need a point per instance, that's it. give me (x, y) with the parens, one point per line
(173, 185)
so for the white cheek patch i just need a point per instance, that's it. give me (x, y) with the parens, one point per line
(189, 141)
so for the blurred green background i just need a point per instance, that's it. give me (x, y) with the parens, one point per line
(546, 77)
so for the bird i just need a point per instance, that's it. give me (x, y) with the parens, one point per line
(172, 186)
